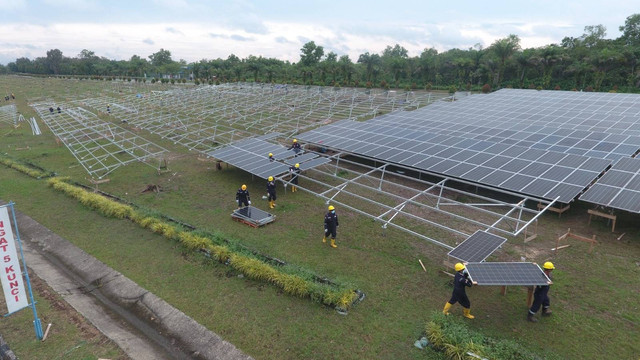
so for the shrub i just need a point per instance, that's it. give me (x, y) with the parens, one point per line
(428, 87)
(452, 89)
(588, 89)
(300, 283)
(486, 88)
(557, 87)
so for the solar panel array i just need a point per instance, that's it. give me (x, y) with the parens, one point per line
(477, 247)
(507, 273)
(540, 173)
(539, 143)
(602, 125)
(252, 155)
(618, 188)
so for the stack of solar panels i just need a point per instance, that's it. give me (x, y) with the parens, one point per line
(253, 216)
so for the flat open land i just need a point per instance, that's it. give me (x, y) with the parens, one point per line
(595, 296)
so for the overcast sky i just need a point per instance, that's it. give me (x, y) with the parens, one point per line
(197, 29)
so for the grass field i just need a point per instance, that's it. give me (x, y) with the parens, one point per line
(595, 297)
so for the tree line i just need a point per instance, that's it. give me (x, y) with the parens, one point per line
(588, 62)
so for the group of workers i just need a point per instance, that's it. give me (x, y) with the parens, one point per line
(9, 97)
(330, 219)
(461, 281)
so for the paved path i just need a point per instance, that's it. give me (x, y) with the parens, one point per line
(107, 298)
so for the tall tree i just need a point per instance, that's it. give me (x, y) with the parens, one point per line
(370, 61)
(504, 49)
(54, 59)
(162, 57)
(310, 54)
(631, 30)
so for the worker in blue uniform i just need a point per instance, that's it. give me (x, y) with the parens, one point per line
(541, 295)
(460, 282)
(242, 196)
(331, 226)
(271, 192)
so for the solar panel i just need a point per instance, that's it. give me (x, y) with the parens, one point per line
(251, 155)
(508, 167)
(507, 273)
(477, 247)
(618, 188)
(253, 216)
(300, 159)
(313, 163)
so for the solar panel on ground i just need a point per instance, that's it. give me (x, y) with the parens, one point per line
(507, 273)
(253, 216)
(619, 188)
(477, 247)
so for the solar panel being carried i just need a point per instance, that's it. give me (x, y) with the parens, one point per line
(507, 273)
(618, 188)
(251, 155)
(477, 247)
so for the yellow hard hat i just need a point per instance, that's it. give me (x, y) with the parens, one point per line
(270, 178)
(548, 266)
(295, 140)
(297, 166)
(270, 154)
(331, 208)
(244, 187)
(459, 267)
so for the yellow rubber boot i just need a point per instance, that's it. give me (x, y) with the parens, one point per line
(447, 306)
(333, 243)
(467, 313)
(324, 239)
(271, 204)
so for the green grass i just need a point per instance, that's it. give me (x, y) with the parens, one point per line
(594, 296)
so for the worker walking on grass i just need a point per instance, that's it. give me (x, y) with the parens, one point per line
(460, 282)
(242, 196)
(540, 295)
(331, 226)
(295, 171)
(271, 192)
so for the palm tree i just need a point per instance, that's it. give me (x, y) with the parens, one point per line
(504, 49)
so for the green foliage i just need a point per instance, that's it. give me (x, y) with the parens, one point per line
(34, 173)
(296, 282)
(452, 337)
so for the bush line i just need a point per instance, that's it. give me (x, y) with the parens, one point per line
(23, 169)
(455, 340)
(341, 297)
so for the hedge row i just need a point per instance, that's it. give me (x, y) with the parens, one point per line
(23, 169)
(299, 284)
(455, 340)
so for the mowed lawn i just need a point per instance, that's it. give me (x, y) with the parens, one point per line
(595, 296)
